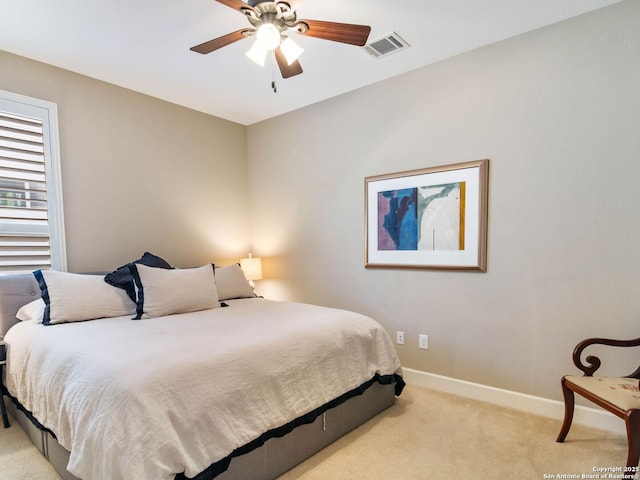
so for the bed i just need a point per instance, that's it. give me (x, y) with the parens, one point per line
(245, 388)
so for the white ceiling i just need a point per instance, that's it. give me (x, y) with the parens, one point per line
(144, 45)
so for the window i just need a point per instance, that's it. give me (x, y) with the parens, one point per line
(31, 217)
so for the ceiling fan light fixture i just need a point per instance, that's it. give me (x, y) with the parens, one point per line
(291, 50)
(268, 36)
(257, 53)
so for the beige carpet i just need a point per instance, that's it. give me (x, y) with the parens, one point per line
(432, 435)
(19, 459)
(425, 435)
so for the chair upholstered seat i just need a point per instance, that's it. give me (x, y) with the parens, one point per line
(621, 392)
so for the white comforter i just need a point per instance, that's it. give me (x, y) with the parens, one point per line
(152, 398)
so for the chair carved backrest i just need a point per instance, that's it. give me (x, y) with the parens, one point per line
(593, 362)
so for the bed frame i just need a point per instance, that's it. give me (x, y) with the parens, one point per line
(276, 456)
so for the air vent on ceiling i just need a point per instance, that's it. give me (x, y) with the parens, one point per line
(386, 45)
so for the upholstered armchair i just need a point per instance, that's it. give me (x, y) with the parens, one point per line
(618, 395)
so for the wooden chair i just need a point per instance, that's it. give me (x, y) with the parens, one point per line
(619, 395)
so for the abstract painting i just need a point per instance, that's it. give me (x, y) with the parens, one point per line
(428, 218)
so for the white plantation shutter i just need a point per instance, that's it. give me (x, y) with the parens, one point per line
(31, 227)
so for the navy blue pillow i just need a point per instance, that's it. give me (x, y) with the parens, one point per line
(122, 278)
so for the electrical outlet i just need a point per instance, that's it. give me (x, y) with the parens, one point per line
(423, 342)
(400, 338)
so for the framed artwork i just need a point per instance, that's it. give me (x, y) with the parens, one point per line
(434, 218)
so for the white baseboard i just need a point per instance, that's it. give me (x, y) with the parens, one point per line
(590, 417)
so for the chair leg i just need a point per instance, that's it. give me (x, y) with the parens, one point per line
(632, 421)
(569, 402)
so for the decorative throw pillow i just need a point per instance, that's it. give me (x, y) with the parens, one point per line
(121, 277)
(74, 297)
(231, 283)
(180, 290)
(32, 311)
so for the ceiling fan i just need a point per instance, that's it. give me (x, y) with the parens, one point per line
(271, 20)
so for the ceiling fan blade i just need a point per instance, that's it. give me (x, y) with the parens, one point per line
(238, 5)
(216, 43)
(336, 32)
(285, 69)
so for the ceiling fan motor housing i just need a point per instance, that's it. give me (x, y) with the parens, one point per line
(279, 14)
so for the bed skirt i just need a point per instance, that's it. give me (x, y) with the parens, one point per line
(273, 453)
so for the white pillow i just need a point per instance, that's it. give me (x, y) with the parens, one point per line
(32, 311)
(180, 290)
(74, 297)
(231, 283)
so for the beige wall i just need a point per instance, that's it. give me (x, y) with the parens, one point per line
(139, 173)
(557, 111)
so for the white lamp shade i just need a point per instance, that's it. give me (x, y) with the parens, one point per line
(291, 50)
(257, 53)
(252, 268)
(268, 35)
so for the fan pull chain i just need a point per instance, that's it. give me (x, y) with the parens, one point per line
(274, 87)
(324, 421)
